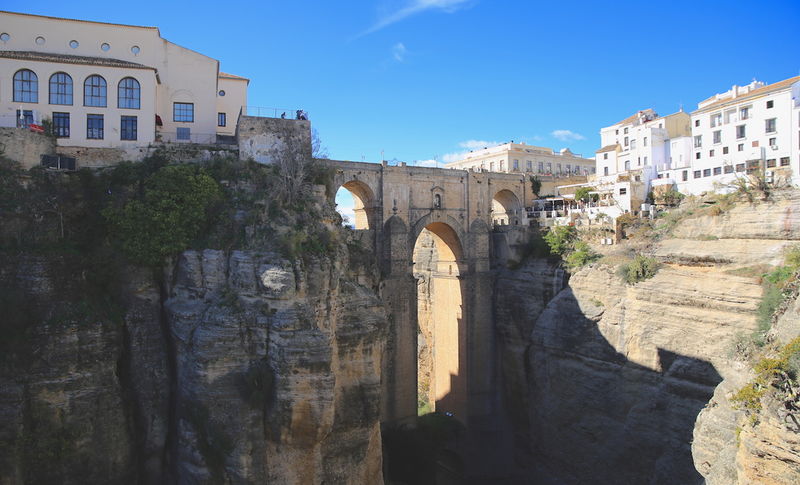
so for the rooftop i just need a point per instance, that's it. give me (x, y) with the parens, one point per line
(232, 76)
(77, 20)
(70, 59)
(753, 93)
(609, 148)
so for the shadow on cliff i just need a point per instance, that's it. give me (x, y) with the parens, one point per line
(591, 415)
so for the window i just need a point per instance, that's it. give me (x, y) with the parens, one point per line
(26, 86)
(717, 170)
(24, 118)
(740, 147)
(623, 191)
(626, 141)
(698, 141)
(717, 136)
(697, 174)
(569, 168)
(541, 167)
(559, 167)
(529, 166)
(605, 156)
(183, 112)
(716, 119)
(770, 104)
(685, 176)
(784, 161)
(626, 131)
(61, 125)
(724, 150)
(516, 165)
(740, 131)
(696, 122)
(773, 142)
(94, 127)
(770, 125)
(128, 125)
(129, 94)
(697, 156)
(645, 160)
(740, 167)
(707, 172)
(627, 164)
(617, 132)
(94, 91)
(549, 167)
(491, 166)
(644, 142)
(60, 88)
(771, 163)
(605, 170)
(184, 133)
(221, 119)
(728, 168)
(744, 113)
(633, 143)
(711, 153)
(502, 165)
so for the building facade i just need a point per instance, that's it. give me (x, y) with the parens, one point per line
(109, 85)
(523, 158)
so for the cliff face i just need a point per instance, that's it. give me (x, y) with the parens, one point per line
(613, 376)
(241, 368)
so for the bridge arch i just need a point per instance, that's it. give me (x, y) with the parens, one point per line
(364, 203)
(507, 209)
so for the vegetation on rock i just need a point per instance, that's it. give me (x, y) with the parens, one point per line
(564, 242)
(640, 269)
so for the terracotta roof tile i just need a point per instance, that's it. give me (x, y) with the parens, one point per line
(785, 84)
(232, 76)
(69, 59)
(608, 148)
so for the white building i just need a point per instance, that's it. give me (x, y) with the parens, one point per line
(745, 129)
(110, 85)
(524, 158)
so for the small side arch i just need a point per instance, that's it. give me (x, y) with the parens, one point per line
(363, 203)
(506, 208)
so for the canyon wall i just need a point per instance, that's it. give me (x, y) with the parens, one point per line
(604, 380)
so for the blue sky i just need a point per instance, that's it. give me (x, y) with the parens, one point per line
(423, 78)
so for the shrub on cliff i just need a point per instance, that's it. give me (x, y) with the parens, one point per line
(176, 205)
(560, 239)
(640, 269)
(581, 255)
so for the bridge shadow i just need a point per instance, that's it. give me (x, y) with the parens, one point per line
(591, 415)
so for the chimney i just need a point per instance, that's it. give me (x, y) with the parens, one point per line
(735, 91)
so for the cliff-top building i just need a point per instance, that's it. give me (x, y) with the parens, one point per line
(523, 158)
(111, 86)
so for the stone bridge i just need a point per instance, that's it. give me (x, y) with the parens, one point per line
(445, 300)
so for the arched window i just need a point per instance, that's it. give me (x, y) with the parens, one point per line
(128, 94)
(60, 88)
(26, 86)
(94, 91)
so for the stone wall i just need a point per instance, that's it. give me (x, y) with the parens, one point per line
(175, 152)
(265, 140)
(25, 147)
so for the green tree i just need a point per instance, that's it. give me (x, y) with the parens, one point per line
(174, 208)
(584, 194)
(560, 239)
(536, 184)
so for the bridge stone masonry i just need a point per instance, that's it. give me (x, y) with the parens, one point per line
(399, 205)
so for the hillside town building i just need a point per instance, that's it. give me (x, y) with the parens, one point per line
(523, 158)
(106, 85)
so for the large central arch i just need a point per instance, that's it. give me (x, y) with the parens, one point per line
(438, 261)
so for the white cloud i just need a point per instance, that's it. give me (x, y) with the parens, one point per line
(413, 7)
(567, 135)
(399, 52)
(467, 146)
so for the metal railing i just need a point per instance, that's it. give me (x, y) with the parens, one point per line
(266, 112)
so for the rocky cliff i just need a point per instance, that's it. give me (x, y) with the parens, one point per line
(605, 380)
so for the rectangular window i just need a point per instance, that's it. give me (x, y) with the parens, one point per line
(94, 127)
(627, 164)
(740, 131)
(549, 167)
(771, 163)
(541, 167)
(696, 122)
(770, 104)
(633, 143)
(221, 119)
(744, 113)
(697, 174)
(61, 125)
(697, 156)
(770, 125)
(711, 153)
(740, 167)
(707, 172)
(491, 166)
(605, 156)
(740, 147)
(183, 112)
(128, 128)
(724, 150)
(516, 165)
(773, 142)
(644, 142)
(685, 176)
(717, 136)
(623, 191)
(716, 119)
(728, 169)
(784, 161)
(717, 170)
(184, 133)
(698, 141)
(24, 118)
(605, 170)
(626, 131)
(626, 141)
(528, 166)
(569, 168)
